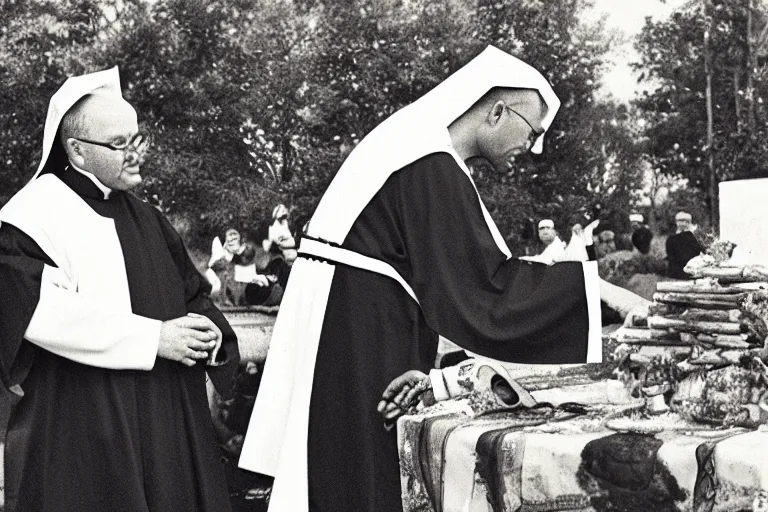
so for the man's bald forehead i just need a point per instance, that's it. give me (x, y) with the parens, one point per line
(92, 112)
(528, 99)
(513, 97)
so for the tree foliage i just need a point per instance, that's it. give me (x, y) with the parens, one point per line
(255, 102)
(672, 56)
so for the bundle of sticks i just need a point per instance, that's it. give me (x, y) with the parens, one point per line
(718, 319)
(700, 334)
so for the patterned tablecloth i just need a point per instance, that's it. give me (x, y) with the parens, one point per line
(605, 460)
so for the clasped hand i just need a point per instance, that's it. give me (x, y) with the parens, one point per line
(188, 339)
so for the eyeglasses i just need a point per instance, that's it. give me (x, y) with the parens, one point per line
(138, 143)
(535, 134)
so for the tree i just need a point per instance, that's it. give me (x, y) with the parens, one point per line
(673, 55)
(255, 102)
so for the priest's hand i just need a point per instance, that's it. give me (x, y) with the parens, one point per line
(638, 315)
(401, 394)
(211, 361)
(187, 339)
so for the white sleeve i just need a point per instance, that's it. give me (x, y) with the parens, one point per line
(86, 331)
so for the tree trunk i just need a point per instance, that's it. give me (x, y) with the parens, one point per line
(712, 315)
(637, 335)
(751, 65)
(287, 173)
(713, 200)
(726, 340)
(720, 357)
(737, 98)
(653, 192)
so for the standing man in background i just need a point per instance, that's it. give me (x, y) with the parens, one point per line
(682, 246)
(641, 234)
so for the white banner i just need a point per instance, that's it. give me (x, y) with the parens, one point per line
(744, 215)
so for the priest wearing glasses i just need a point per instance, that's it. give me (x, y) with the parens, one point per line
(401, 250)
(106, 326)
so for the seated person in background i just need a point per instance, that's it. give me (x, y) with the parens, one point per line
(233, 274)
(606, 243)
(553, 246)
(279, 235)
(682, 246)
(226, 268)
(278, 246)
(579, 248)
(641, 234)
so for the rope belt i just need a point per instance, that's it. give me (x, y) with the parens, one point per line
(335, 254)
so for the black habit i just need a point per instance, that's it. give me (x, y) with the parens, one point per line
(83, 438)
(427, 223)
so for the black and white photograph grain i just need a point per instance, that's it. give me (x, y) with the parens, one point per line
(384, 255)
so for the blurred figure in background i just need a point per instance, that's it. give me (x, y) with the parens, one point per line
(606, 243)
(682, 246)
(641, 233)
(553, 247)
(234, 276)
(277, 250)
(579, 248)
(279, 237)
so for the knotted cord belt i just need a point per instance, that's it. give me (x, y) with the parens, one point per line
(318, 248)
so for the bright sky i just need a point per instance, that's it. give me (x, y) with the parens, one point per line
(628, 16)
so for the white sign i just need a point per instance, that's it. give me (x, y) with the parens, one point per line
(744, 216)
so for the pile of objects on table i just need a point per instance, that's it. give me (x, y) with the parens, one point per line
(702, 351)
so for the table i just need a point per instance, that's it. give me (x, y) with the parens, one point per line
(557, 461)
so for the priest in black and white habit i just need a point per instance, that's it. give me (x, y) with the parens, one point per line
(399, 251)
(106, 326)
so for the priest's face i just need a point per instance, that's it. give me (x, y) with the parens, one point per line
(510, 129)
(107, 124)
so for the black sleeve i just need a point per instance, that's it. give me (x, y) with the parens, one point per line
(21, 269)
(196, 291)
(468, 290)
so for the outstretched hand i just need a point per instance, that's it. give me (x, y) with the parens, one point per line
(401, 394)
(188, 339)
(637, 316)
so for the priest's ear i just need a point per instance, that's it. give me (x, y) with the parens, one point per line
(496, 113)
(74, 150)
